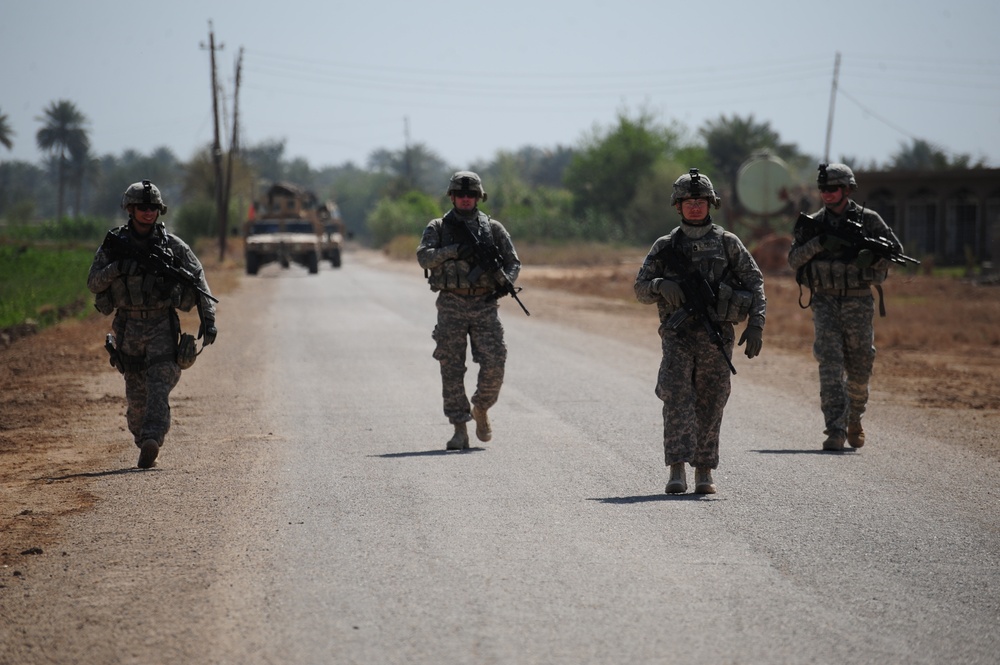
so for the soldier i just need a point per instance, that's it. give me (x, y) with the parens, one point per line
(840, 279)
(703, 281)
(144, 274)
(467, 303)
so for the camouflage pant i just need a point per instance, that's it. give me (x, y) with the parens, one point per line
(475, 318)
(148, 391)
(845, 349)
(694, 384)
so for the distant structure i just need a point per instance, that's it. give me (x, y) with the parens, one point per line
(951, 217)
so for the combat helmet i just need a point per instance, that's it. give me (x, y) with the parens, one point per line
(693, 185)
(836, 174)
(143, 192)
(468, 181)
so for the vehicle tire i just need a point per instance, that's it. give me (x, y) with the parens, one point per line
(313, 264)
(253, 264)
(335, 257)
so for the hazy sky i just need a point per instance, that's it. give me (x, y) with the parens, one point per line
(338, 80)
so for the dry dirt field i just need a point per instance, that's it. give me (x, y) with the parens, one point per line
(939, 347)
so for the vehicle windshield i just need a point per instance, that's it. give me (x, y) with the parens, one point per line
(300, 227)
(264, 227)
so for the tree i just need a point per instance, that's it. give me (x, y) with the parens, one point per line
(403, 216)
(83, 169)
(62, 133)
(415, 167)
(921, 155)
(5, 133)
(731, 141)
(604, 174)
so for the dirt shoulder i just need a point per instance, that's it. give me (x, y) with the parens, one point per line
(62, 406)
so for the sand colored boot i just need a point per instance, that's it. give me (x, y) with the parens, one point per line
(484, 431)
(703, 483)
(460, 439)
(855, 435)
(678, 480)
(835, 440)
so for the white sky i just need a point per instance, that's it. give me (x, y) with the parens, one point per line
(338, 79)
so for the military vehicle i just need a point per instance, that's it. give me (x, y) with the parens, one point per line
(284, 227)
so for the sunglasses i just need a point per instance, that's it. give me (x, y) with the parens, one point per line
(147, 207)
(466, 194)
(829, 189)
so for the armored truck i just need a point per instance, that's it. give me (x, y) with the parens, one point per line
(284, 227)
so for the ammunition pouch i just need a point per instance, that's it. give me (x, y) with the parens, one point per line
(449, 275)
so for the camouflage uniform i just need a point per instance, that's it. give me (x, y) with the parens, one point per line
(466, 310)
(146, 326)
(694, 377)
(843, 312)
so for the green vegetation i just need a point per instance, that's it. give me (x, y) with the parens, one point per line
(60, 230)
(612, 186)
(43, 284)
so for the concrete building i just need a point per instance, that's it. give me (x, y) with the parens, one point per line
(949, 217)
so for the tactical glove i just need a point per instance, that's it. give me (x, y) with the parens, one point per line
(865, 259)
(671, 292)
(466, 252)
(754, 338)
(832, 243)
(208, 331)
(128, 267)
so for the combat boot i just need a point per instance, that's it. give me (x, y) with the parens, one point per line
(855, 435)
(147, 453)
(678, 483)
(484, 431)
(703, 483)
(460, 439)
(835, 440)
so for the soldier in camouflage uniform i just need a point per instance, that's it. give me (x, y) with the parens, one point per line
(146, 327)
(694, 376)
(467, 305)
(840, 279)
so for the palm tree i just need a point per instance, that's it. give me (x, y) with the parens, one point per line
(5, 132)
(83, 168)
(63, 133)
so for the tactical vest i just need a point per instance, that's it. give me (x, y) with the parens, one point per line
(707, 255)
(454, 273)
(142, 290)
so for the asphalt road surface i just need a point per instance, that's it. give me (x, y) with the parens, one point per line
(304, 510)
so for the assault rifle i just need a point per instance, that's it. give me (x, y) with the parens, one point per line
(488, 261)
(698, 299)
(156, 262)
(852, 233)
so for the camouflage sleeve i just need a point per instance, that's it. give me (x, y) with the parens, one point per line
(190, 262)
(430, 254)
(745, 268)
(803, 248)
(650, 274)
(511, 263)
(103, 271)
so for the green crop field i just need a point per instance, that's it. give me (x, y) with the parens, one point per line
(42, 283)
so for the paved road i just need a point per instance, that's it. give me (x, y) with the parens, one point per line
(325, 523)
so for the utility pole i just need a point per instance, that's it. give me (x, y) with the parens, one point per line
(833, 98)
(220, 207)
(234, 146)
(407, 162)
